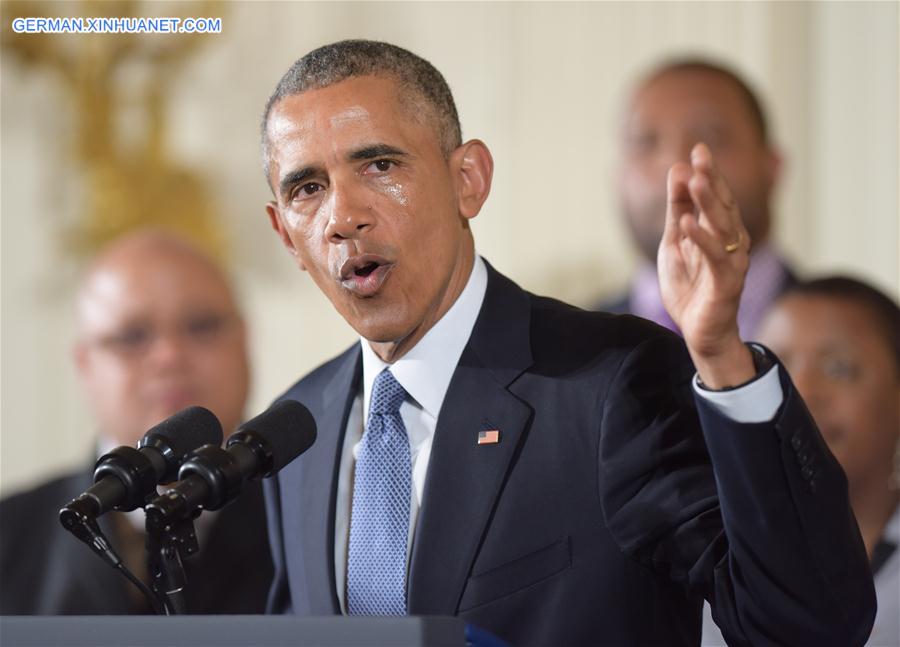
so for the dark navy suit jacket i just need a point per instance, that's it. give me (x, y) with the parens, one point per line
(605, 514)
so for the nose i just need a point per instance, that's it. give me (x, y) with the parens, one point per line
(351, 213)
(168, 350)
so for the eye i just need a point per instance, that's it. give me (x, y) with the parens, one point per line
(306, 190)
(205, 327)
(644, 142)
(130, 340)
(839, 368)
(713, 136)
(380, 166)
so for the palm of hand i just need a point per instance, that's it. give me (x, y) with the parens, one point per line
(700, 280)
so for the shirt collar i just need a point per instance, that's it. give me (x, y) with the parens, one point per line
(645, 297)
(426, 369)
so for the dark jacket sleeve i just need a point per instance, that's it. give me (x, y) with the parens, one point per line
(753, 517)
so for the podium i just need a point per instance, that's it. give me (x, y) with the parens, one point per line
(230, 631)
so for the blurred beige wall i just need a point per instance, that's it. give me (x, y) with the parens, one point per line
(541, 83)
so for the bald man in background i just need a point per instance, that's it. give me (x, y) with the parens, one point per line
(158, 329)
(675, 106)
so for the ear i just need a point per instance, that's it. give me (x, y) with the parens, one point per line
(774, 164)
(278, 225)
(81, 358)
(473, 168)
(243, 335)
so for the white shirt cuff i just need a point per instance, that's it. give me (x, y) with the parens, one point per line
(757, 401)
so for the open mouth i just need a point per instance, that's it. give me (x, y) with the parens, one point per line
(366, 269)
(365, 275)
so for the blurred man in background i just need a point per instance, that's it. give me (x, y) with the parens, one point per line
(674, 107)
(158, 330)
(840, 340)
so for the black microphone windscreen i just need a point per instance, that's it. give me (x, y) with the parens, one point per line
(288, 427)
(186, 430)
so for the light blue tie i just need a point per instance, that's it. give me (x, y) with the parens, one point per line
(379, 519)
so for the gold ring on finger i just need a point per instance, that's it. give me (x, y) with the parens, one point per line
(733, 247)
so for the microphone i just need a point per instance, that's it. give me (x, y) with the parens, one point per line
(211, 476)
(125, 477)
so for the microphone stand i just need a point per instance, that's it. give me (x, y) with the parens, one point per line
(168, 541)
(77, 518)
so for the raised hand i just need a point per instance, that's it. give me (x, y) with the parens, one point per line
(702, 262)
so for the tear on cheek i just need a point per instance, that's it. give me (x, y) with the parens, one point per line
(396, 192)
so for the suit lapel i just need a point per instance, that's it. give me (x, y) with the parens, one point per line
(465, 479)
(318, 486)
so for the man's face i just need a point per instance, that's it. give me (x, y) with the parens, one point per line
(844, 369)
(667, 116)
(160, 332)
(369, 205)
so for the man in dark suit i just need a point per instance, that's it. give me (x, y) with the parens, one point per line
(673, 107)
(158, 330)
(549, 474)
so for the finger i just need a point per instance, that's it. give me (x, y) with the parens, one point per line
(709, 245)
(715, 217)
(703, 162)
(701, 157)
(678, 200)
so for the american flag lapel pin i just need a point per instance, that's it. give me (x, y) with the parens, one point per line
(489, 437)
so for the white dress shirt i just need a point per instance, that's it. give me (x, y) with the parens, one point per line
(425, 372)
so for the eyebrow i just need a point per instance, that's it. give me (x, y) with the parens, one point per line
(294, 178)
(376, 150)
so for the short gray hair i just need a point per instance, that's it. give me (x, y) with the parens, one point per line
(345, 59)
